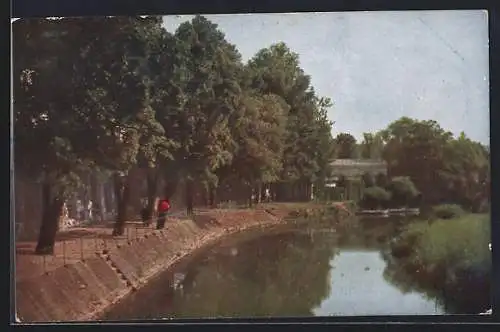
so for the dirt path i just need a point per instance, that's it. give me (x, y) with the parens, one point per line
(83, 242)
(74, 245)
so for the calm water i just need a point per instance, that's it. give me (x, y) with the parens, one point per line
(316, 272)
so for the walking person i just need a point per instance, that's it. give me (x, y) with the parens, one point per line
(89, 212)
(163, 207)
(267, 195)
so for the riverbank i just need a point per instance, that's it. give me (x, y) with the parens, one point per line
(447, 257)
(82, 289)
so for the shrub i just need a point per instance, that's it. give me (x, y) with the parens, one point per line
(351, 205)
(403, 191)
(462, 243)
(447, 256)
(375, 197)
(447, 211)
(368, 179)
(381, 180)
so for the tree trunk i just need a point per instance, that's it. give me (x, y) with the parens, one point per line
(122, 193)
(259, 193)
(212, 196)
(170, 187)
(206, 196)
(189, 197)
(280, 192)
(52, 210)
(250, 196)
(152, 180)
(94, 190)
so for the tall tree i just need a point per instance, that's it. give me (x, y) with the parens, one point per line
(209, 85)
(117, 119)
(258, 129)
(276, 70)
(464, 175)
(416, 149)
(43, 120)
(160, 70)
(371, 146)
(346, 146)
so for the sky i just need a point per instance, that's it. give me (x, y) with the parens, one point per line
(380, 66)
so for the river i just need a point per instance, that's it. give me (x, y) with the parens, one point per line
(285, 272)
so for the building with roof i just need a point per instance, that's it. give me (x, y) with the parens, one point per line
(355, 168)
(352, 170)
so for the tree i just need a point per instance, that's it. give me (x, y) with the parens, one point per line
(464, 175)
(375, 197)
(403, 191)
(208, 90)
(43, 121)
(119, 124)
(443, 168)
(371, 147)
(346, 146)
(163, 77)
(415, 148)
(307, 151)
(258, 128)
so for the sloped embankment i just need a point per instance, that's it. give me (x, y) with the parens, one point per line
(81, 291)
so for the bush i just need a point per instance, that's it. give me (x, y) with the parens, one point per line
(375, 197)
(447, 211)
(403, 191)
(351, 205)
(381, 180)
(461, 243)
(368, 180)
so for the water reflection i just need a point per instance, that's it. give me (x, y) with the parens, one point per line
(359, 289)
(292, 273)
(282, 275)
(468, 294)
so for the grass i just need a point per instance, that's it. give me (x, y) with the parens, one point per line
(453, 245)
(447, 211)
(460, 242)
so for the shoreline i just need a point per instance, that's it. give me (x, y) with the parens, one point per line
(184, 256)
(85, 290)
(446, 270)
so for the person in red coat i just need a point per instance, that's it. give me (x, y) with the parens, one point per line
(163, 208)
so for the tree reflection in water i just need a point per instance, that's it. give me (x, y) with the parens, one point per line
(287, 273)
(465, 293)
(280, 275)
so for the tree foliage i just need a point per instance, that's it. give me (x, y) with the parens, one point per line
(371, 147)
(346, 146)
(119, 93)
(445, 169)
(375, 197)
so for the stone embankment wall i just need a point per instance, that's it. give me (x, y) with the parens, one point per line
(83, 290)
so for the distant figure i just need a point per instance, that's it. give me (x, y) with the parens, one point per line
(163, 207)
(90, 215)
(79, 210)
(267, 195)
(65, 211)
